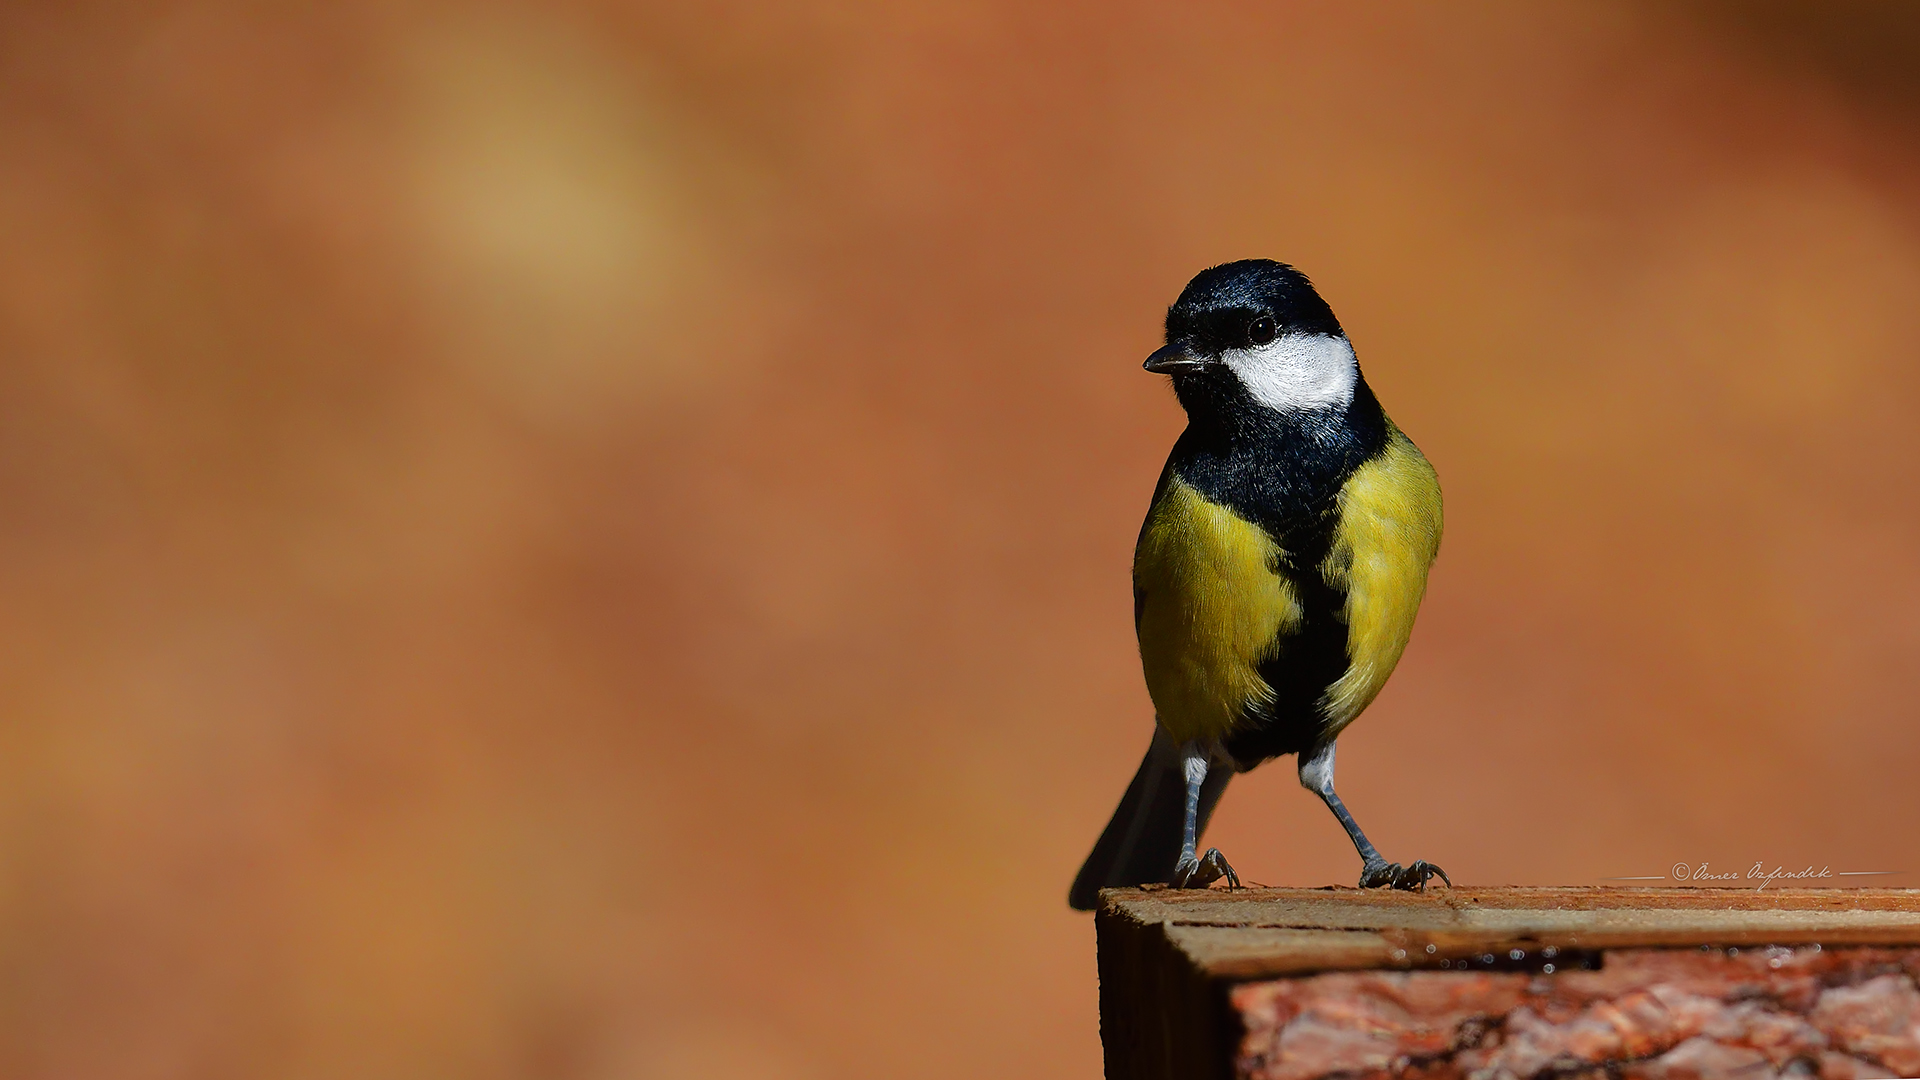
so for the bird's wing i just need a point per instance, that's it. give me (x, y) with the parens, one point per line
(1159, 492)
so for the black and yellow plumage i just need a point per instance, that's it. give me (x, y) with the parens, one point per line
(1277, 574)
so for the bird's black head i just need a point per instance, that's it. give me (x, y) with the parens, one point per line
(1256, 331)
(1246, 304)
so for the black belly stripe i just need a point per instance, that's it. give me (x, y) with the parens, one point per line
(1307, 662)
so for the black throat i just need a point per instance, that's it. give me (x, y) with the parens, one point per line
(1280, 470)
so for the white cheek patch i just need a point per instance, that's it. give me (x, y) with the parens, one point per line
(1297, 371)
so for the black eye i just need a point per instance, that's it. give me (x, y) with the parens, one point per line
(1261, 330)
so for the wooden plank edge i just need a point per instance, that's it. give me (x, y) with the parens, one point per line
(1161, 1016)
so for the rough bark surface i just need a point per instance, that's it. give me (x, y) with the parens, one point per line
(1658, 1014)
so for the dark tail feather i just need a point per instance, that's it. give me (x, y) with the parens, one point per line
(1142, 842)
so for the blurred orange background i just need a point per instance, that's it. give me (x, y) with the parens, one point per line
(591, 539)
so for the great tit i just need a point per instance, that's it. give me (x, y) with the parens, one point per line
(1276, 576)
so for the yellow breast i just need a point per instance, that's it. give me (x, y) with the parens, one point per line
(1386, 540)
(1211, 610)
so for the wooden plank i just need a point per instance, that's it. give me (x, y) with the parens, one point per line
(1252, 933)
(1174, 963)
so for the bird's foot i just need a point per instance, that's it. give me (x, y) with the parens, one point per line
(1192, 873)
(1413, 876)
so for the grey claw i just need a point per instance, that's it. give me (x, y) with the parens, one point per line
(1394, 876)
(1192, 873)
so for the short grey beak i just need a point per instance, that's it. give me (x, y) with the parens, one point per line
(1172, 360)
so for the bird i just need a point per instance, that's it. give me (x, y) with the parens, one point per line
(1276, 577)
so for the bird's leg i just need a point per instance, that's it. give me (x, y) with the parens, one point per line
(1198, 872)
(1316, 775)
